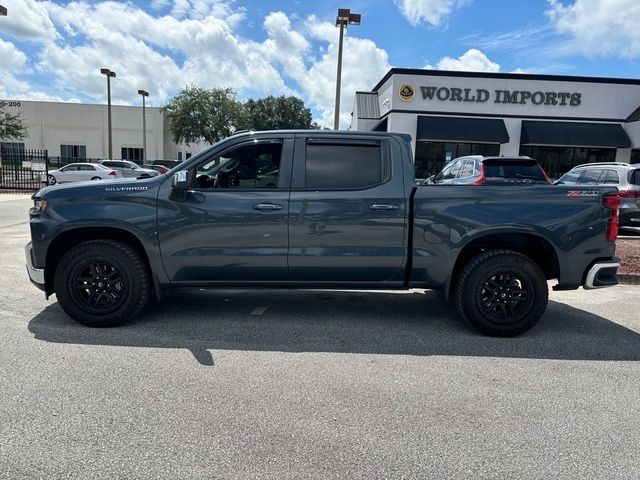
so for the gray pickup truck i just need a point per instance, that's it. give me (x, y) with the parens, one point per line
(318, 209)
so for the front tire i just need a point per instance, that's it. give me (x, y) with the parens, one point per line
(51, 180)
(96, 178)
(102, 283)
(501, 293)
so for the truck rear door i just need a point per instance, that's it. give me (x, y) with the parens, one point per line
(348, 211)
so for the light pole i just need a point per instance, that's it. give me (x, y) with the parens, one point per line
(144, 94)
(3, 11)
(344, 18)
(109, 74)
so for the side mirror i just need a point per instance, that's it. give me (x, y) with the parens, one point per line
(181, 180)
(557, 182)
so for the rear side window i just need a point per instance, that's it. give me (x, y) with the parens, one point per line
(634, 177)
(610, 177)
(524, 169)
(590, 176)
(343, 165)
(467, 169)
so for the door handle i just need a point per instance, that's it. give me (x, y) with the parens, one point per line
(377, 206)
(267, 206)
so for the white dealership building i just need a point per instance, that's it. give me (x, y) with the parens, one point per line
(562, 121)
(76, 131)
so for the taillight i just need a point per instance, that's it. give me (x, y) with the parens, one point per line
(480, 180)
(612, 202)
(112, 173)
(629, 193)
(546, 177)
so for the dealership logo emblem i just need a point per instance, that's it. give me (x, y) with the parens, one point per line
(406, 92)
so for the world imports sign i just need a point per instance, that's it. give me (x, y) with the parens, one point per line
(480, 95)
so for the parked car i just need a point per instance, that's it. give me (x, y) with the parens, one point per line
(129, 168)
(622, 175)
(479, 170)
(167, 163)
(75, 172)
(157, 168)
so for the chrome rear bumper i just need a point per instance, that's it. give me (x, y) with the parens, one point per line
(602, 274)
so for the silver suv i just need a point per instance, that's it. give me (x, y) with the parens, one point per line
(622, 175)
(129, 169)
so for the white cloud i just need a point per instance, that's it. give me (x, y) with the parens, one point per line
(11, 86)
(434, 12)
(27, 19)
(599, 27)
(473, 60)
(197, 43)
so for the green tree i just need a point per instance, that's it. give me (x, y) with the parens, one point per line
(198, 114)
(273, 113)
(12, 126)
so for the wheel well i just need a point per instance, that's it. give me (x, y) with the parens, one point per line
(536, 248)
(71, 238)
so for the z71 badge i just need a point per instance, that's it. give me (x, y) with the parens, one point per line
(583, 193)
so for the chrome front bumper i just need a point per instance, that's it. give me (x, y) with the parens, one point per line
(36, 275)
(602, 274)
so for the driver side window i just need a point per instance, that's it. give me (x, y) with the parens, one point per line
(250, 165)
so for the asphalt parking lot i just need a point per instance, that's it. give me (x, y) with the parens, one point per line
(272, 384)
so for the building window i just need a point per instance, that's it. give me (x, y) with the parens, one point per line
(72, 153)
(12, 148)
(635, 156)
(134, 154)
(557, 161)
(432, 156)
(11, 152)
(179, 156)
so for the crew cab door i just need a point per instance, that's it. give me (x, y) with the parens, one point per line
(348, 211)
(231, 223)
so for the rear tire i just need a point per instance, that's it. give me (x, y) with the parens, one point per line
(102, 283)
(501, 293)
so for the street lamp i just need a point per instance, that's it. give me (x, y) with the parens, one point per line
(3, 11)
(109, 74)
(344, 18)
(144, 94)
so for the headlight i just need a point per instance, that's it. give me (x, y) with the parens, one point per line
(39, 206)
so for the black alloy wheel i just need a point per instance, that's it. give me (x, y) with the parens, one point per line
(501, 293)
(98, 285)
(102, 283)
(505, 295)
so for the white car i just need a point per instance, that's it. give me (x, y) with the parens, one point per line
(76, 172)
(129, 169)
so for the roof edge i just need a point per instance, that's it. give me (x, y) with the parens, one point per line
(514, 76)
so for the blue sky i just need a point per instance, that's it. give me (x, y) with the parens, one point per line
(54, 50)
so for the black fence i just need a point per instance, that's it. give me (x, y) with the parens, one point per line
(23, 169)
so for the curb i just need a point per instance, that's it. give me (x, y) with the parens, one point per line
(629, 278)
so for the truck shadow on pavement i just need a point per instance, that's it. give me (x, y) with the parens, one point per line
(340, 322)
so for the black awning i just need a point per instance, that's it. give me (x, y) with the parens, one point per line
(574, 134)
(381, 126)
(461, 129)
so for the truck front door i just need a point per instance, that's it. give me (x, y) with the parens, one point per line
(231, 224)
